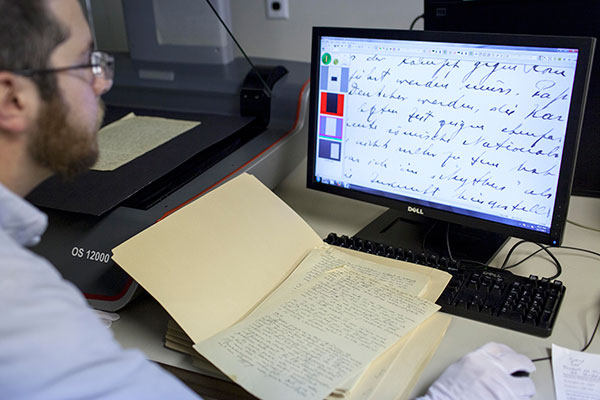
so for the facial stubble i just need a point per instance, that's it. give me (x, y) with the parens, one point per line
(61, 146)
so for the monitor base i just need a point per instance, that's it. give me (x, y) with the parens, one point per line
(394, 229)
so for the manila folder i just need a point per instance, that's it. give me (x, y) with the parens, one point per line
(211, 263)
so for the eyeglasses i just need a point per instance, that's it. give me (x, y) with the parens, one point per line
(102, 65)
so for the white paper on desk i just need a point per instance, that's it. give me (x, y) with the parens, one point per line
(326, 331)
(576, 374)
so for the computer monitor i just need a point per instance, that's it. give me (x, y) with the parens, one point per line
(536, 17)
(468, 138)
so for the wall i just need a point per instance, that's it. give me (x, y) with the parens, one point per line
(290, 39)
(284, 39)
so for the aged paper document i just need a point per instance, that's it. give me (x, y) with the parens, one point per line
(320, 260)
(394, 373)
(132, 136)
(303, 343)
(238, 250)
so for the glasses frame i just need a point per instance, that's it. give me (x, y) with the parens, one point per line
(101, 63)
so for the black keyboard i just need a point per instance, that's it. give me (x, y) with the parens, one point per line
(481, 293)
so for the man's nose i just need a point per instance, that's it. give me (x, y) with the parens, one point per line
(101, 85)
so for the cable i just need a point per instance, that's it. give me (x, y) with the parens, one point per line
(597, 322)
(412, 25)
(541, 359)
(558, 272)
(592, 337)
(520, 242)
(558, 269)
(524, 259)
(556, 262)
(266, 86)
(448, 241)
(584, 347)
(542, 248)
(427, 234)
(506, 258)
(583, 226)
(580, 249)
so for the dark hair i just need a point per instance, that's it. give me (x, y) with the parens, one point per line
(29, 32)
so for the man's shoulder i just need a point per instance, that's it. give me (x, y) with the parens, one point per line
(17, 261)
(54, 345)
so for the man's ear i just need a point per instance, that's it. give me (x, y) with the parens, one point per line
(19, 101)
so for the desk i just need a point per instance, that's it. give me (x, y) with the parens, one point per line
(143, 322)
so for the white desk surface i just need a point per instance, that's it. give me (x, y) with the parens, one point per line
(143, 322)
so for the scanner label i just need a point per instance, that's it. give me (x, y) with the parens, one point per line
(92, 255)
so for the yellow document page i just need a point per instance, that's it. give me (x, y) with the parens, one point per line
(393, 375)
(304, 343)
(437, 279)
(328, 258)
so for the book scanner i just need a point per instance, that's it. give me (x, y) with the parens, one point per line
(244, 127)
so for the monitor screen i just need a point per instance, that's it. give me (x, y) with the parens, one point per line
(536, 17)
(478, 130)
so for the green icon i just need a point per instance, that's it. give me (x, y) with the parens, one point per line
(326, 58)
(336, 61)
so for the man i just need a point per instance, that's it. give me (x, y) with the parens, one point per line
(52, 345)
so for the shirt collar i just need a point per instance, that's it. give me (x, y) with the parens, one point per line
(20, 219)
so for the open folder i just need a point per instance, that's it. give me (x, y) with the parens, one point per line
(280, 312)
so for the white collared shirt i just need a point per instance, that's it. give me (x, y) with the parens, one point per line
(52, 344)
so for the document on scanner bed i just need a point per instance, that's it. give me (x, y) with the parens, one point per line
(132, 136)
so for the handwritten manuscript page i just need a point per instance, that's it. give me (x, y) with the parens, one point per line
(132, 136)
(327, 258)
(303, 343)
(213, 262)
(393, 375)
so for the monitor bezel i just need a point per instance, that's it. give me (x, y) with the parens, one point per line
(585, 47)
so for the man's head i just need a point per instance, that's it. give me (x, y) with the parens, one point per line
(54, 114)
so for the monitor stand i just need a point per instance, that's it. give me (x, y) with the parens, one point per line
(415, 233)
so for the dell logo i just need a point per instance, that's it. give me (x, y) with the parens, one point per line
(415, 210)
